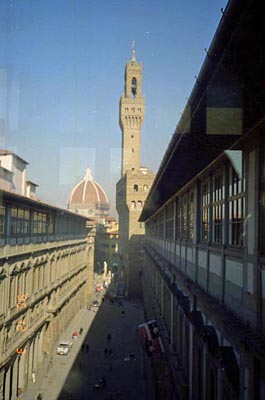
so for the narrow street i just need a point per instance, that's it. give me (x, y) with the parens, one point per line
(72, 377)
(129, 379)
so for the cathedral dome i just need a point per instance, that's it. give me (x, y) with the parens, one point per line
(88, 198)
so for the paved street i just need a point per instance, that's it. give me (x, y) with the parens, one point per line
(130, 379)
(73, 376)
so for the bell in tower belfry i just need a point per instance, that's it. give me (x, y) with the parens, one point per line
(132, 112)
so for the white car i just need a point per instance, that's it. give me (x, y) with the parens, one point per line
(64, 347)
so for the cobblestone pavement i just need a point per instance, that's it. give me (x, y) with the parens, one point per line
(72, 377)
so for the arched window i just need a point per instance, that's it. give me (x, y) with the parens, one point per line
(139, 205)
(134, 86)
(133, 205)
(145, 188)
(135, 188)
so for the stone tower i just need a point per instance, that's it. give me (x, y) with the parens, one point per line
(132, 112)
(133, 187)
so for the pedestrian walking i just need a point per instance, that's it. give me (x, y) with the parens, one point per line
(39, 397)
(80, 331)
(87, 348)
(108, 337)
(105, 352)
(104, 382)
(83, 346)
(74, 335)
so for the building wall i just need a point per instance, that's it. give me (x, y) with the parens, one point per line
(132, 191)
(46, 275)
(18, 167)
(5, 179)
(202, 259)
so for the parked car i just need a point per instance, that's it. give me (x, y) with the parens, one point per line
(64, 347)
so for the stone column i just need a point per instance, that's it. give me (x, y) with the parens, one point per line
(7, 394)
(39, 348)
(15, 378)
(2, 380)
(21, 372)
(219, 385)
(171, 321)
(30, 362)
(190, 359)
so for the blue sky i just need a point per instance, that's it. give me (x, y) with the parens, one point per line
(62, 74)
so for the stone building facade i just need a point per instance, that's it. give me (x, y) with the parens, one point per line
(133, 187)
(46, 275)
(107, 244)
(204, 244)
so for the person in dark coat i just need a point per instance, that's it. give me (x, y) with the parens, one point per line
(104, 382)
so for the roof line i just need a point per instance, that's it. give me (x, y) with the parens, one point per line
(72, 192)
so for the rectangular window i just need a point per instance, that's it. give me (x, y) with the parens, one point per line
(169, 221)
(218, 208)
(185, 218)
(35, 222)
(26, 222)
(20, 221)
(161, 224)
(179, 219)
(236, 205)
(191, 217)
(39, 223)
(2, 220)
(205, 211)
(13, 221)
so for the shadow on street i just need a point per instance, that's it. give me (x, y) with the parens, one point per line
(111, 363)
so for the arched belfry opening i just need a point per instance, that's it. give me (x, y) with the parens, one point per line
(134, 86)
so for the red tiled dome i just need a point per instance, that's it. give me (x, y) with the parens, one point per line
(87, 192)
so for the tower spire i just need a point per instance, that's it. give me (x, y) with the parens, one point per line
(133, 51)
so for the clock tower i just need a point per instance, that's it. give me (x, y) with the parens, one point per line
(136, 180)
(132, 111)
